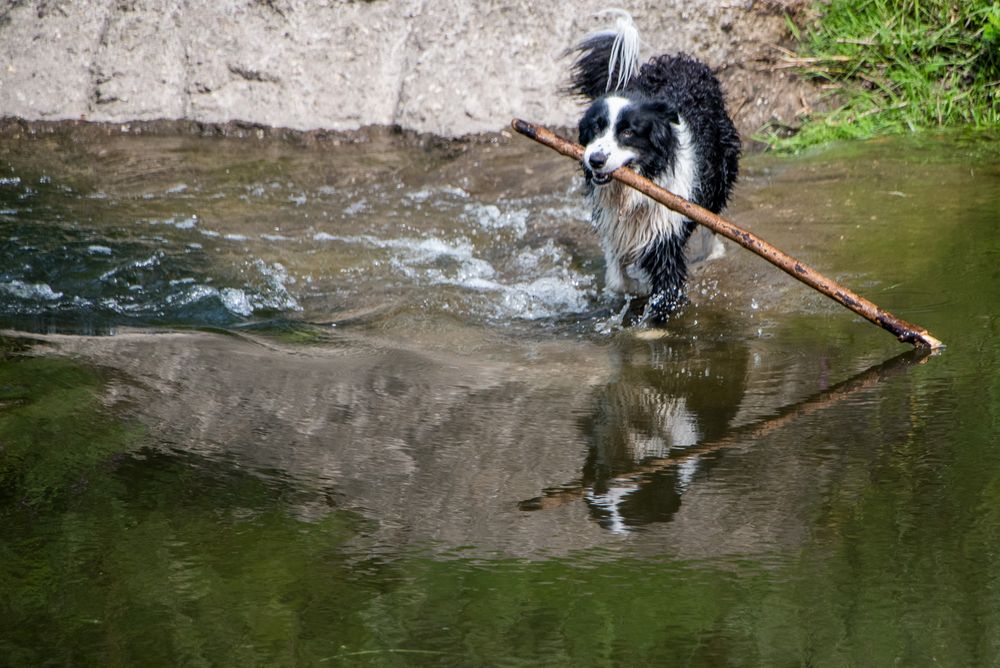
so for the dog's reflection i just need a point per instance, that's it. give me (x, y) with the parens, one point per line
(664, 398)
(666, 418)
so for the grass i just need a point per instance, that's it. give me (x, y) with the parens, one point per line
(894, 66)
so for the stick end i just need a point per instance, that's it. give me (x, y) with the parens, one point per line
(524, 127)
(930, 343)
(922, 339)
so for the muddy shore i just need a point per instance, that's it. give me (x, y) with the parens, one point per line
(449, 69)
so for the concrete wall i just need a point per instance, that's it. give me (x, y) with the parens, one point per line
(447, 67)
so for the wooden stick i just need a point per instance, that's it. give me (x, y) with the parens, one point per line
(904, 331)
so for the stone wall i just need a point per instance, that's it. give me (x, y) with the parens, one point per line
(447, 67)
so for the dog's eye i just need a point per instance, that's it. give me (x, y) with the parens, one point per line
(627, 133)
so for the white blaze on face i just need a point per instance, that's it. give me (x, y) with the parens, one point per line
(629, 222)
(607, 143)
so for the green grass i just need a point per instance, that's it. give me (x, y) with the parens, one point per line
(894, 66)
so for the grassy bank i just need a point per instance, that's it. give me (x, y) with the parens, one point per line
(895, 66)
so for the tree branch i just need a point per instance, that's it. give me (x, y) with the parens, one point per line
(903, 330)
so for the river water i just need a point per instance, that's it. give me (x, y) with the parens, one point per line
(290, 402)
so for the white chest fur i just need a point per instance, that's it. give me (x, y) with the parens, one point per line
(628, 221)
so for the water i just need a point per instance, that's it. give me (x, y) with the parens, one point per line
(268, 402)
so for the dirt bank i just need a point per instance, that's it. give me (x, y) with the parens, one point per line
(449, 68)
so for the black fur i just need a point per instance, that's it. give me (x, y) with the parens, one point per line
(589, 73)
(664, 262)
(666, 89)
(690, 88)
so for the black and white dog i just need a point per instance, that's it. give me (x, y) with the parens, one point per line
(667, 120)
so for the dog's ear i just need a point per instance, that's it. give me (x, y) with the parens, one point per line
(663, 117)
(662, 110)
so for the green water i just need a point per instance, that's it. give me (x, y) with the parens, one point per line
(264, 403)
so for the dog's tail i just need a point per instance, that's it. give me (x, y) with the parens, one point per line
(606, 60)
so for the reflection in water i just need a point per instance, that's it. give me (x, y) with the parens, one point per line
(649, 411)
(460, 440)
(647, 448)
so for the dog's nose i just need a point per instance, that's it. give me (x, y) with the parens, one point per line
(598, 159)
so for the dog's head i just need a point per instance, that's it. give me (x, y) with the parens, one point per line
(618, 130)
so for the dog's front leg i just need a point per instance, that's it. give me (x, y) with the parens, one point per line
(665, 265)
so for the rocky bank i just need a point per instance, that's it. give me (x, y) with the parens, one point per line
(445, 67)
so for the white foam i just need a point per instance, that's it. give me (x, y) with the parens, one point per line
(542, 284)
(425, 194)
(180, 223)
(236, 301)
(545, 297)
(148, 263)
(558, 291)
(454, 192)
(356, 208)
(98, 250)
(30, 291)
(490, 217)
(274, 294)
(579, 212)
(422, 248)
(433, 247)
(194, 294)
(532, 259)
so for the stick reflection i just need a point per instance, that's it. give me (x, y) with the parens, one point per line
(646, 442)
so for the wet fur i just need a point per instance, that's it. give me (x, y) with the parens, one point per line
(668, 121)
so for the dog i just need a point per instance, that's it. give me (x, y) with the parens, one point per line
(667, 120)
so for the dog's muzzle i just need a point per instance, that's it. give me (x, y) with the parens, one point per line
(594, 163)
(597, 160)
(596, 166)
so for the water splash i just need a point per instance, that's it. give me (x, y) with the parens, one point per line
(30, 292)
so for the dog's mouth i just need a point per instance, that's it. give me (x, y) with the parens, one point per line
(603, 178)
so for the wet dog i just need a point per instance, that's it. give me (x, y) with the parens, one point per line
(667, 120)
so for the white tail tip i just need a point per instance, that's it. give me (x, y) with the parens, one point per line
(625, 50)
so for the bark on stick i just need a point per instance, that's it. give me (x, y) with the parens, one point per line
(901, 329)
